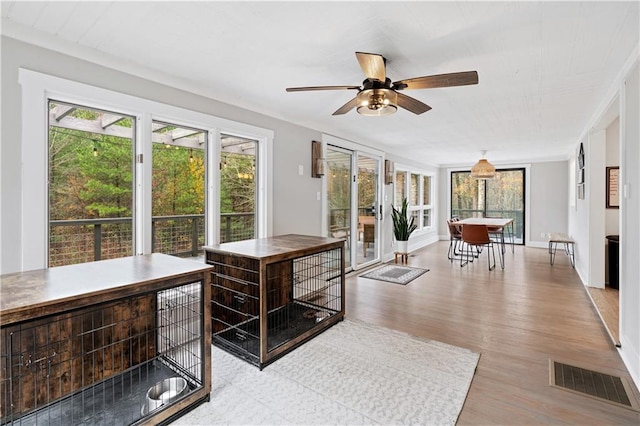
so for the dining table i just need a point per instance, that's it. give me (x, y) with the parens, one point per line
(491, 222)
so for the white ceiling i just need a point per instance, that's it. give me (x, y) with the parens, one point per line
(543, 67)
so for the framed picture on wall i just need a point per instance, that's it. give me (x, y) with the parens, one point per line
(613, 188)
(581, 157)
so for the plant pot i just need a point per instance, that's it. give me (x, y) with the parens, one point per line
(402, 246)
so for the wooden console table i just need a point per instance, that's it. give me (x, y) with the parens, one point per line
(270, 295)
(82, 344)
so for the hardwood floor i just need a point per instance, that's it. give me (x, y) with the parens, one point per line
(606, 301)
(516, 319)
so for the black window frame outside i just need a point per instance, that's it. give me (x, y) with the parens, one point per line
(524, 195)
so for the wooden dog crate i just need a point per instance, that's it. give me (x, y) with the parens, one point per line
(85, 344)
(269, 295)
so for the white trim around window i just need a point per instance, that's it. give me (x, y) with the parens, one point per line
(38, 88)
(418, 207)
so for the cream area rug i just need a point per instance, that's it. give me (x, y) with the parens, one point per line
(352, 374)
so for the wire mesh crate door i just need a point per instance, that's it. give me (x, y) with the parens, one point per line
(68, 368)
(96, 366)
(180, 330)
(318, 282)
(301, 293)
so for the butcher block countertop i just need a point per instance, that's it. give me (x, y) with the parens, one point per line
(30, 294)
(281, 247)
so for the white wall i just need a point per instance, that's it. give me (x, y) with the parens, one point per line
(578, 223)
(548, 199)
(595, 196)
(612, 159)
(444, 202)
(630, 223)
(587, 218)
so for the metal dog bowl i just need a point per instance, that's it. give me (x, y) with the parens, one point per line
(163, 393)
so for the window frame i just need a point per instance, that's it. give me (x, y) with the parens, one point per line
(38, 88)
(419, 209)
(527, 193)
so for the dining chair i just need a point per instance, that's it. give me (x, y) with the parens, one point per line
(455, 239)
(368, 237)
(340, 232)
(498, 233)
(477, 236)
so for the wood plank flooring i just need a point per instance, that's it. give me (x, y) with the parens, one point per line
(607, 303)
(516, 319)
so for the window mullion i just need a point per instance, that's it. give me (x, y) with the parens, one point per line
(142, 221)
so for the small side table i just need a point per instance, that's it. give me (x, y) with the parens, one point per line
(404, 257)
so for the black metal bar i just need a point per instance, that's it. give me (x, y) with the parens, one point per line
(97, 241)
(153, 235)
(194, 236)
(227, 234)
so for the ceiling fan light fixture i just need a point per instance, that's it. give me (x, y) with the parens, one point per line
(376, 102)
(483, 169)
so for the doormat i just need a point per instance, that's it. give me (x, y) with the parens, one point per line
(395, 274)
(601, 386)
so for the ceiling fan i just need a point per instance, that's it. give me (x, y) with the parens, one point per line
(379, 96)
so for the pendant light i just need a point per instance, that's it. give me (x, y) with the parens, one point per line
(377, 102)
(483, 169)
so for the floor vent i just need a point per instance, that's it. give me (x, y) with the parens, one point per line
(604, 387)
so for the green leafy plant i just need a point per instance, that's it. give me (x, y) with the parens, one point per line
(403, 225)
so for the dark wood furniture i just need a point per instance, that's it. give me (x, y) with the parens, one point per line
(269, 295)
(82, 344)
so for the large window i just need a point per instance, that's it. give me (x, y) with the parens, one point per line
(502, 196)
(90, 184)
(178, 195)
(238, 180)
(417, 188)
(125, 175)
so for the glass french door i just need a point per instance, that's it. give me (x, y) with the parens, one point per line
(353, 208)
(339, 190)
(502, 196)
(368, 210)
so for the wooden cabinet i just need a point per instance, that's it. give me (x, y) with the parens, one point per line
(82, 344)
(269, 295)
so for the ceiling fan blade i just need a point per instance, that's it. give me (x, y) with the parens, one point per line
(411, 104)
(347, 107)
(373, 65)
(441, 80)
(303, 89)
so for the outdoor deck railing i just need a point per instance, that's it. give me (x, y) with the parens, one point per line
(516, 215)
(86, 240)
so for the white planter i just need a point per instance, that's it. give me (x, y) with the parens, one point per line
(402, 246)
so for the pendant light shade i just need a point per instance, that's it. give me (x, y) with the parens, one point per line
(483, 169)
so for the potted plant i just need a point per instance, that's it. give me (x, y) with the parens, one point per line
(403, 226)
